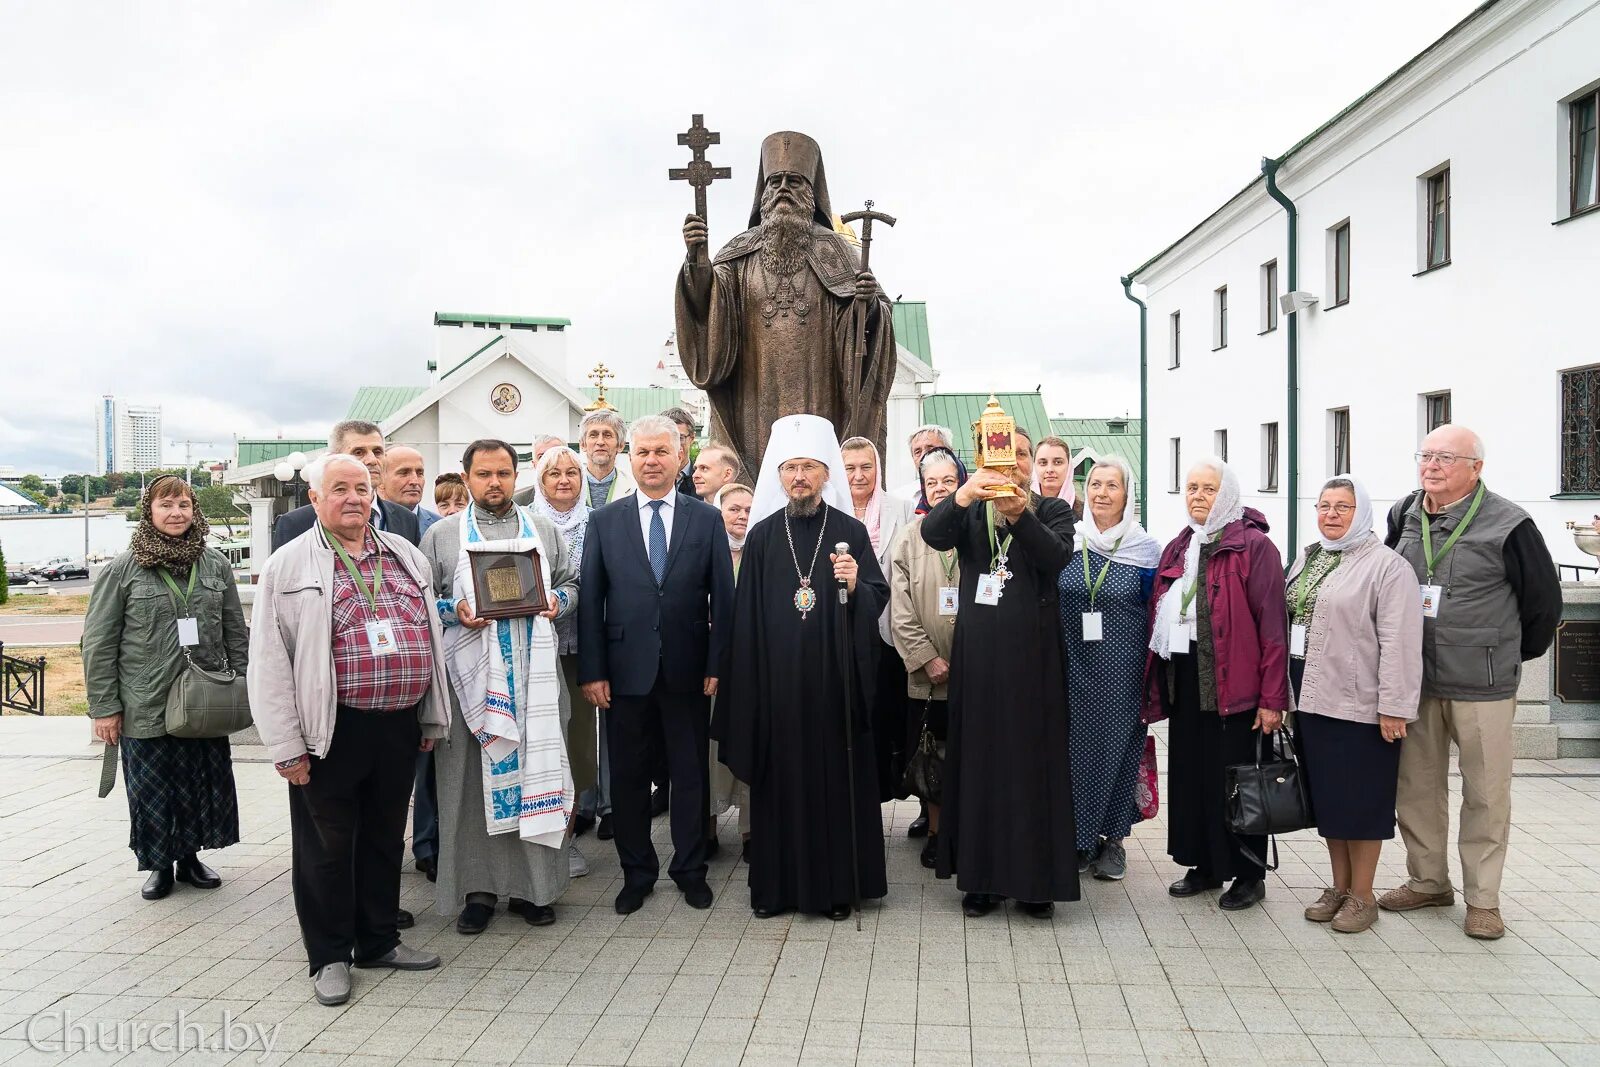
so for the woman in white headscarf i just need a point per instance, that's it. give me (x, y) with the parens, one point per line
(884, 516)
(1218, 670)
(558, 496)
(1355, 658)
(1052, 473)
(1105, 622)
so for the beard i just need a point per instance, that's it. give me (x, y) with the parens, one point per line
(785, 229)
(804, 507)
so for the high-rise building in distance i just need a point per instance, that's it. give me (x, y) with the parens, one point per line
(127, 436)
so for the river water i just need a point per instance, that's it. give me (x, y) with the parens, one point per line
(30, 540)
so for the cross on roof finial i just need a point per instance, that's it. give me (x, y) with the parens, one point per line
(599, 376)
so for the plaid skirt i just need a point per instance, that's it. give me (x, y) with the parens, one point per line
(181, 797)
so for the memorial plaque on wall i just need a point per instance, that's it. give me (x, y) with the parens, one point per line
(1578, 661)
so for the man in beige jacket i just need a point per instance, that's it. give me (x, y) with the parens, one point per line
(347, 684)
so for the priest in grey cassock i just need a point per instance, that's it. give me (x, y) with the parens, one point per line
(505, 786)
(781, 718)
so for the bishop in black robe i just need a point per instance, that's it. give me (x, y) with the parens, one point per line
(781, 722)
(1006, 822)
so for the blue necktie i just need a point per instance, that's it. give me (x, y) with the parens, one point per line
(658, 542)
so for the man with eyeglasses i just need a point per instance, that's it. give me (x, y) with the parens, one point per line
(1490, 600)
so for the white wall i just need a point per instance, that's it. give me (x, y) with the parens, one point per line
(1494, 327)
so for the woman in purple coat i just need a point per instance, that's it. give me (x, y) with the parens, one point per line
(1218, 669)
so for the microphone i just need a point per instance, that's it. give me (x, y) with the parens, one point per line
(844, 589)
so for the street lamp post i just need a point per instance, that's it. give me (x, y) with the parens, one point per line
(288, 472)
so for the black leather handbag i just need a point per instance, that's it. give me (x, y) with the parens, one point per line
(924, 775)
(1270, 796)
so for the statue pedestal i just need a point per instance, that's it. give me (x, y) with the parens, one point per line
(1558, 702)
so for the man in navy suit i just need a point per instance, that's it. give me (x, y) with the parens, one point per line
(655, 602)
(364, 441)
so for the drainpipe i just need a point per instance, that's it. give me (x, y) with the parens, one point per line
(1269, 168)
(1144, 403)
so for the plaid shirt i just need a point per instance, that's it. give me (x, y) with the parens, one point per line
(380, 683)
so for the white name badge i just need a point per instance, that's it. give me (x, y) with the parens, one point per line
(380, 637)
(1178, 637)
(1431, 595)
(1092, 625)
(188, 632)
(988, 590)
(1297, 640)
(949, 599)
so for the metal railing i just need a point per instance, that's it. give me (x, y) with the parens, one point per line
(21, 683)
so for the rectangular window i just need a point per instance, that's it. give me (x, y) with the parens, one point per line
(1269, 457)
(1219, 319)
(1219, 444)
(1175, 458)
(1580, 430)
(1174, 357)
(1438, 200)
(1339, 432)
(1435, 411)
(1269, 296)
(1339, 242)
(1583, 117)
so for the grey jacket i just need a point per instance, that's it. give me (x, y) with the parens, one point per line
(131, 654)
(1473, 650)
(293, 693)
(1364, 638)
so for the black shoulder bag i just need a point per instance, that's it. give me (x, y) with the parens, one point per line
(1270, 796)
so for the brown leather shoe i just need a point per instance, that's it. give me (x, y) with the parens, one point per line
(1407, 899)
(1484, 924)
(1355, 915)
(1325, 907)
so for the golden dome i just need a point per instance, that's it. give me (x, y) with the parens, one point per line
(845, 230)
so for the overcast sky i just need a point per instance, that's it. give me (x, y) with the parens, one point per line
(241, 211)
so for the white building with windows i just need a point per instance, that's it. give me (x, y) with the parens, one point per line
(1448, 232)
(127, 436)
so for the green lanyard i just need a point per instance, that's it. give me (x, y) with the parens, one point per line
(1194, 587)
(1094, 586)
(997, 548)
(1433, 561)
(948, 561)
(370, 592)
(181, 594)
(1302, 592)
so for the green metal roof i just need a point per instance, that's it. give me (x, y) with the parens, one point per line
(635, 401)
(374, 403)
(452, 318)
(498, 338)
(911, 328)
(1476, 13)
(251, 451)
(958, 411)
(1072, 429)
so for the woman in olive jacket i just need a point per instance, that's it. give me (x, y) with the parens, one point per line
(181, 794)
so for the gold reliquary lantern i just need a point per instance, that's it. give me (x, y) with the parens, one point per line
(995, 437)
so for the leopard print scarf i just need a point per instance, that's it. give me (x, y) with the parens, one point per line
(151, 548)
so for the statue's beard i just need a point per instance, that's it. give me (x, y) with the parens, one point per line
(785, 232)
(805, 507)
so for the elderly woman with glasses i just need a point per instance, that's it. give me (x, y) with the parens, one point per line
(1218, 671)
(1355, 657)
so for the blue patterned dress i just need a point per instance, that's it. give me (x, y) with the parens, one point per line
(1105, 694)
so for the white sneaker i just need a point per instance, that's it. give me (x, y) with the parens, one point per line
(577, 866)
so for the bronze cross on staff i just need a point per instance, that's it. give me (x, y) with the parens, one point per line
(699, 173)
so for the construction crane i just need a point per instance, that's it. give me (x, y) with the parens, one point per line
(188, 456)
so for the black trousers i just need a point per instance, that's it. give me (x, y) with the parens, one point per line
(349, 829)
(683, 720)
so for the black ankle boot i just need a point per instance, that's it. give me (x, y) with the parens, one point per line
(197, 874)
(158, 885)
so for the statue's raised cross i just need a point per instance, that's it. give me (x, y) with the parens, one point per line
(699, 173)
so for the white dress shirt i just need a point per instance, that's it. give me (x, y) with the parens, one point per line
(645, 513)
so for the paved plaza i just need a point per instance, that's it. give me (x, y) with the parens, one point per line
(1128, 975)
